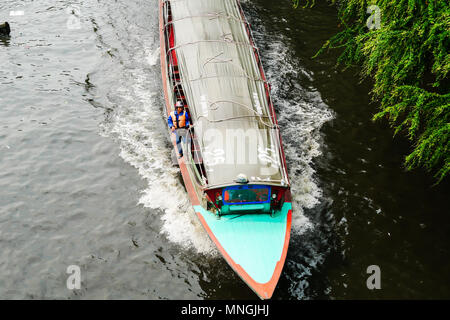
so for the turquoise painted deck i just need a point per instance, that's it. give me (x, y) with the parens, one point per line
(254, 241)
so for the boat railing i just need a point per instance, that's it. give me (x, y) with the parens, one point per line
(227, 76)
(211, 41)
(251, 39)
(269, 182)
(282, 156)
(195, 156)
(237, 118)
(267, 86)
(216, 59)
(210, 15)
(269, 124)
(174, 1)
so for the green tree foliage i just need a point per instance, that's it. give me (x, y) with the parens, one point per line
(408, 60)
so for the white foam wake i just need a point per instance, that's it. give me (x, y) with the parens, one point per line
(301, 114)
(138, 127)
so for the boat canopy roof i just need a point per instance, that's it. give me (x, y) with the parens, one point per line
(227, 95)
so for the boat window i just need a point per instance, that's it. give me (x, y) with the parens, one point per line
(246, 194)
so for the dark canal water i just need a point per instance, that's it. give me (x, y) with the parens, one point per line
(86, 177)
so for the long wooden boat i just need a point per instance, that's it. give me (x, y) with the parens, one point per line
(234, 168)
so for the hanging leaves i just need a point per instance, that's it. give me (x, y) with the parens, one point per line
(408, 59)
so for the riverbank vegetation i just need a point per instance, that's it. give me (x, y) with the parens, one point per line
(406, 54)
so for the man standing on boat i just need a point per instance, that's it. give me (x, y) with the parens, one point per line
(178, 122)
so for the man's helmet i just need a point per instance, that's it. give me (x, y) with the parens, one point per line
(179, 104)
